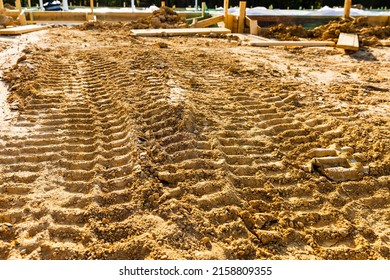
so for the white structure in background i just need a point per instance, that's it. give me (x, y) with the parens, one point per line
(41, 5)
(65, 6)
(132, 6)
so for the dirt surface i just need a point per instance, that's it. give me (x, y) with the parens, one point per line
(369, 35)
(191, 148)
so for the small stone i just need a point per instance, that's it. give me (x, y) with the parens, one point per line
(205, 240)
(22, 58)
(163, 45)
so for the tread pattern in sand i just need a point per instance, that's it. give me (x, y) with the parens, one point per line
(116, 158)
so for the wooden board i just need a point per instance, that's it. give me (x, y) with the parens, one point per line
(258, 38)
(208, 22)
(378, 20)
(252, 24)
(247, 39)
(385, 43)
(21, 29)
(241, 17)
(348, 41)
(178, 31)
(292, 43)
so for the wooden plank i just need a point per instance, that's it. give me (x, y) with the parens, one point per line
(178, 31)
(252, 24)
(226, 13)
(91, 5)
(203, 9)
(208, 22)
(292, 43)
(259, 38)
(21, 29)
(248, 38)
(348, 41)
(385, 43)
(378, 20)
(1, 5)
(22, 18)
(241, 18)
(18, 6)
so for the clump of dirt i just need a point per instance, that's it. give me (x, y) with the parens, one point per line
(164, 17)
(368, 35)
(9, 7)
(100, 25)
(284, 33)
(18, 79)
(6, 21)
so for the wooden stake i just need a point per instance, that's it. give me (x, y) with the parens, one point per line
(29, 3)
(162, 4)
(241, 18)
(1, 5)
(91, 4)
(226, 12)
(203, 9)
(347, 8)
(18, 6)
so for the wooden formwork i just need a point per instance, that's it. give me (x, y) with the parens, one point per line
(236, 23)
(58, 16)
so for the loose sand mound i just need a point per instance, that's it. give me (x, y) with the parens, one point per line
(162, 18)
(199, 150)
(9, 6)
(368, 35)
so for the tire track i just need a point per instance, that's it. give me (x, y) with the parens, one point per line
(82, 142)
(144, 154)
(255, 201)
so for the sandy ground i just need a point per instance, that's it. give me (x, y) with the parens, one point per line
(191, 148)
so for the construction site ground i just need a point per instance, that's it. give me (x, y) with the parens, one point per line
(114, 147)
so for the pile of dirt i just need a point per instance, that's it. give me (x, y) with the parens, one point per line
(164, 17)
(6, 21)
(368, 35)
(17, 77)
(9, 7)
(286, 33)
